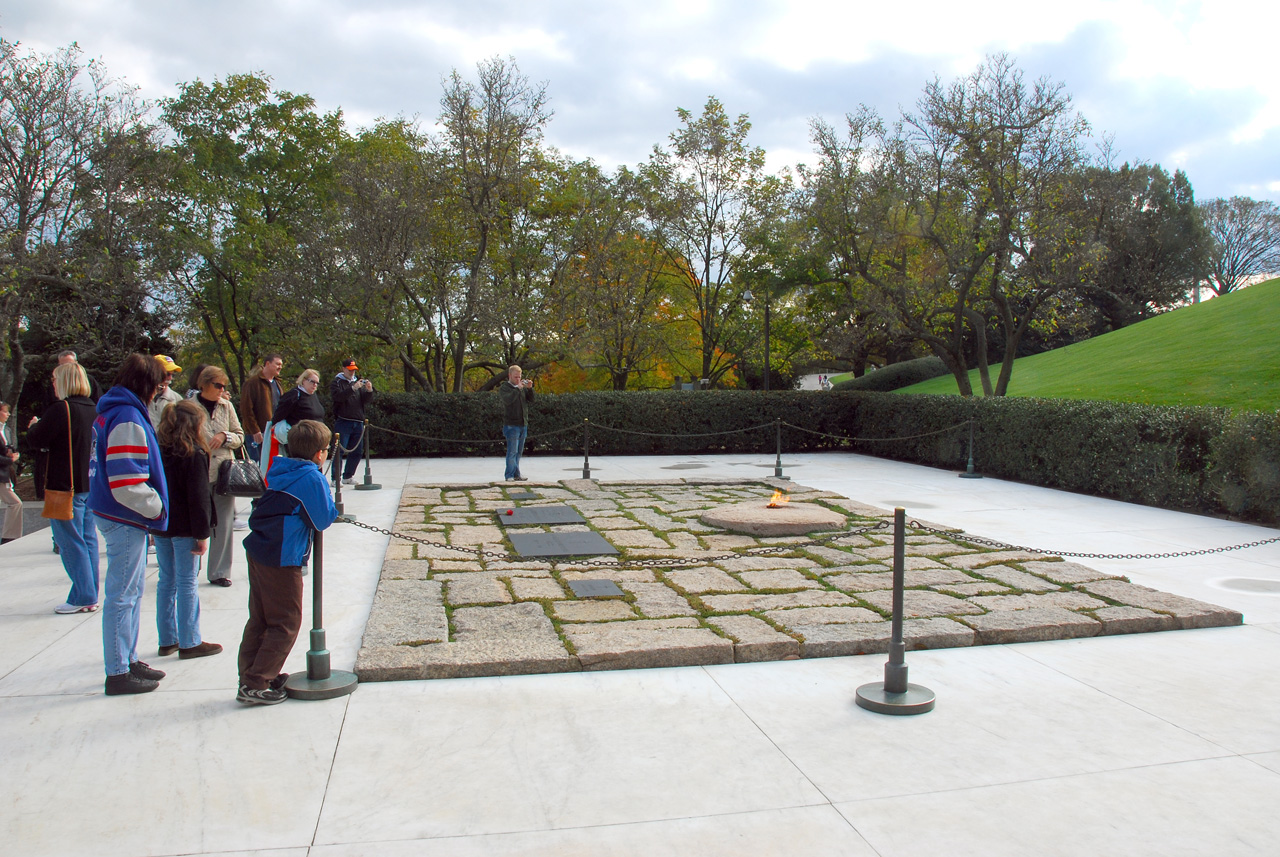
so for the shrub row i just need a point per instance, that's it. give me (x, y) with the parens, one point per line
(895, 376)
(1208, 460)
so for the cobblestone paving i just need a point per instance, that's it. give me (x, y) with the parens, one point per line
(443, 613)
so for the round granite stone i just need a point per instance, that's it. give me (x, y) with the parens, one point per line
(758, 519)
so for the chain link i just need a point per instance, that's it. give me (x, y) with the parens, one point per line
(960, 535)
(618, 563)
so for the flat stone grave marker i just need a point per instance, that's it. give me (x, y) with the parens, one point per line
(540, 515)
(561, 544)
(521, 495)
(595, 589)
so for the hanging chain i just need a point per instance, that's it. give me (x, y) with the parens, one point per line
(618, 563)
(960, 535)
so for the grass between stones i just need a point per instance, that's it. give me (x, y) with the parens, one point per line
(826, 596)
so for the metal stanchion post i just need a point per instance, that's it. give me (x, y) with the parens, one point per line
(368, 484)
(320, 682)
(895, 695)
(586, 448)
(777, 461)
(968, 473)
(337, 478)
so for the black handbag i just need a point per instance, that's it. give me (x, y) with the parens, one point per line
(240, 477)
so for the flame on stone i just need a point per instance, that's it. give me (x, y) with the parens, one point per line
(777, 500)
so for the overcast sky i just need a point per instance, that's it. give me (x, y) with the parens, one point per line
(1184, 84)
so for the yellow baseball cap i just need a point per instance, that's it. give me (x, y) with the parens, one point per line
(167, 362)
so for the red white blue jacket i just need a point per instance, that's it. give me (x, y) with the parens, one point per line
(126, 473)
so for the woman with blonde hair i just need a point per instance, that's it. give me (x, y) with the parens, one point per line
(297, 405)
(185, 453)
(223, 433)
(66, 430)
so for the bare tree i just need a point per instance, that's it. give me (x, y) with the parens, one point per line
(58, 116)
(492, 130)
(1246, 240)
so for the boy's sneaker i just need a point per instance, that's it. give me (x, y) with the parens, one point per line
(277, 683)
(118, 685)
(266, 696)
(141, 670)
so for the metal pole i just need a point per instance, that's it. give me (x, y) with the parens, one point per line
(320, 682)
(895, 695)
(777, 461)
(336, 468)
(368, 484)
(968, 473)
(586, 448)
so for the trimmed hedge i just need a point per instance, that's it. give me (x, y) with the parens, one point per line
(895, 376)
(1208, 460)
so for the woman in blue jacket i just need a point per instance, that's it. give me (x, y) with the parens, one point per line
(128, 495)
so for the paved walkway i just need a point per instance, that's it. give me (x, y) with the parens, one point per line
(1141, 744)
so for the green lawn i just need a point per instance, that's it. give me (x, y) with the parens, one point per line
(1224, 352)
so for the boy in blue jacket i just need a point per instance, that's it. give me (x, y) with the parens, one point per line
(296, 503)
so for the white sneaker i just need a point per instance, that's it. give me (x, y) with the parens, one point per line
(350, 480)
(237, 524)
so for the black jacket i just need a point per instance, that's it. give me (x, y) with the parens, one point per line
(191, 512)
(296, 406)
(51, 434)
(348, 403)
(514, 399)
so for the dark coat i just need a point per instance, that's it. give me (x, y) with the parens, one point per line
(514, 399)
(296, 406)
(191, 512)
(51, 433)
(348, 403)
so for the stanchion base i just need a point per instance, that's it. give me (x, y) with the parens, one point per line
(370, 486)
(339, 683)
(917, 699)
(968, 475)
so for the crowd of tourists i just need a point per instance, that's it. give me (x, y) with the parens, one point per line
(139, 466)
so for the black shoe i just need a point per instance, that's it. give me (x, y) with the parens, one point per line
(118, 685)
(277, 683)
(266, 696)
(221, 581)
(200, 650)
(165, 651)
(141, 670)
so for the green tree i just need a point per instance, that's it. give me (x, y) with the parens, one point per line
(252, 170)
(1154, 247)
(706, 190)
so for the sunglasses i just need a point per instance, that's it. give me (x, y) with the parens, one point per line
(219, 386)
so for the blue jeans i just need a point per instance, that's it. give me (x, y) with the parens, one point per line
(77, 542)
(515, 436)
(122, 604)
(350, 434)
(253, 450)
(177, 601)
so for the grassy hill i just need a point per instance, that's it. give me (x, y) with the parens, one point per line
(1223, 352)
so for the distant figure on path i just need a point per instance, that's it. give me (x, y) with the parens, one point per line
(350, 394)
(516, 393)
(8, 458)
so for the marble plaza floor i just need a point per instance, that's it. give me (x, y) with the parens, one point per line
(1162, 743)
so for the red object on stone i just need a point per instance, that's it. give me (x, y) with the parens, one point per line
(511, 511)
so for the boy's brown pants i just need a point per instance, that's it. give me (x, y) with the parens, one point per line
(275, 617)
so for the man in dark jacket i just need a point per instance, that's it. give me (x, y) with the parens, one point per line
(516, 393)
(258, 402)
(349, 395)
